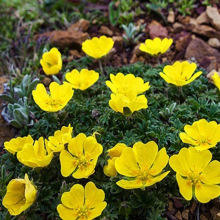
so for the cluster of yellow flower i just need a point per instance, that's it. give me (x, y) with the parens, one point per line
(79, 160)
(126, 90)
(141, 166)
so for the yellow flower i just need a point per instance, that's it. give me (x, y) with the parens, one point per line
(180, 73)
(196, 175)
(61, 137)
(156, 46)
(82, 204)
(97, 47)
(35, 155)
(142, 165)
(201, 134)
(127, 104)
(17, 144)
(51, 62)
(114, 153)
(57, 99)
(216, 80)
(20, 195)
(82, 80)
(82, 157)
(122, 84)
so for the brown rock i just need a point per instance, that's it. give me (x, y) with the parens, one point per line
(134, 59)
(183, 41)
(178, 204)
(185, 214)
(193, 207)
(65, 38)
(214, 42)
(213, 16)
(118, 42)
(200, 49)
(218, 216)
(203, 30)
(202, 19)
(177, 27)
(46, 81)
(171, 17)
(214, 211)
(106, 31)
(137, 51)
(203, 217)
(178, 215)
(75, 53)
(171, 208)
(81, 26)
(157, 30)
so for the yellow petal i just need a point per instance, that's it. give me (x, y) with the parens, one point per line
(68, 163)
(145, 154)
(130, 184)
(153, 180)
(185, 187)
(76, 144)
(93, 195)
(160, 162)
(211, 174)
(126, 164)
(74, 198)
(97, 210)
(116, 151)
(109, 169)
(204, 193)
(66, 213)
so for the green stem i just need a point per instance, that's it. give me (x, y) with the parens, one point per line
(100, 66)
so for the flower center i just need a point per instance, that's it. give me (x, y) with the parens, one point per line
(82, 161)
(143, 175)
(83, 211)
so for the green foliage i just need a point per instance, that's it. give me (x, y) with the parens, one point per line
(114, 13)
(132, 33)
(168, 112)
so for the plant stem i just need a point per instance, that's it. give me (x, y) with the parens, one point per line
(100, 66)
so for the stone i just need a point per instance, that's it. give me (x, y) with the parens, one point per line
(183, 41)
(136, 51)
(185, 214)
(118, 42)
(199, 49)
(177, 27)
(178, 215)
(203, 30)
(214, 42)
(64, 38)
(178, 204)
(46, 81)
(81, 26)
(75, 53)
(157, 30)
(105, 31)
(193, 207)
(213, 16)
(134, 59)
(202, 18)
(171, 17)
(171, 208)
(203, 217)
(214, 210)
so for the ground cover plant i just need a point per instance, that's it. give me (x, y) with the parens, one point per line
(100, 141)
